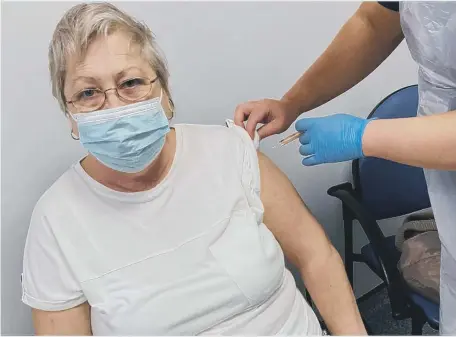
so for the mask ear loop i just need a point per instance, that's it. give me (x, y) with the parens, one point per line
(68, 114)
(170, 105)
(172, 109)
(73, 135)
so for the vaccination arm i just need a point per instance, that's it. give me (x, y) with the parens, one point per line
(306, 245)
(428, 141)
(71, 322)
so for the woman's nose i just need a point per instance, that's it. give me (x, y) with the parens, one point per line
(112, 99)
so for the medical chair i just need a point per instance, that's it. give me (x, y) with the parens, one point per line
(381, 190)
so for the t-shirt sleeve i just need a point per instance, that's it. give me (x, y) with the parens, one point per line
(392, 5)
(249, 169)
(47, 281)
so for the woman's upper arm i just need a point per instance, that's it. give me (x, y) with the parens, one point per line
(71, 322)
(300, 235)
(50, 285)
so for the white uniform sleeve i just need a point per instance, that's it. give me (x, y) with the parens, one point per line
(47, 281)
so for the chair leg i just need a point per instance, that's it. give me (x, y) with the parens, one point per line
(368, 329)
(348, 231)
(417, 327)
(418, 321)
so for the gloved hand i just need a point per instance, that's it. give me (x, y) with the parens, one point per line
(331, 139)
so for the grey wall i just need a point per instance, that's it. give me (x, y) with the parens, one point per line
(219, 54)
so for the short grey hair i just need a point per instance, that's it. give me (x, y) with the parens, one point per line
(85, 22)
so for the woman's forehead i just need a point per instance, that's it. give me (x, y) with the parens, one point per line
(109, 55)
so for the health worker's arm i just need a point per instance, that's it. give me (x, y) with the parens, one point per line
(306, 245)
(428, 141)
(362, 44)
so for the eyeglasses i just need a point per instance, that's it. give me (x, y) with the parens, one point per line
(131, 90)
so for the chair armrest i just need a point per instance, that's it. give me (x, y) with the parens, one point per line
(350, 200)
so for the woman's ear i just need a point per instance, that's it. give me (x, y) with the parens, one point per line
(171, 108)
(168, 106)
(74, 132)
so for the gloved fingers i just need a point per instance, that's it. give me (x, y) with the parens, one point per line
(310, 161)
(304, 138)
(304, 124)
(306, 150)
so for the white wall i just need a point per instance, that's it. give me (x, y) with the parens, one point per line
(219, 54)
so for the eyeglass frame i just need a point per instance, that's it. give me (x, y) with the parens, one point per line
(117, 93)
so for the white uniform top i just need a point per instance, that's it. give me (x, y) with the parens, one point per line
(191, 256)
(430, 31)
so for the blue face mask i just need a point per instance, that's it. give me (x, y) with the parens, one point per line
(126, 139)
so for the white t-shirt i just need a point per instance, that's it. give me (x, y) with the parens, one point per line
(191, 256)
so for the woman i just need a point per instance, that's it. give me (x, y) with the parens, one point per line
(166, 231)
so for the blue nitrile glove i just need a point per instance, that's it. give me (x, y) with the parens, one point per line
(331, 139)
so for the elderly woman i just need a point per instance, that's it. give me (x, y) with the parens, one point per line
(165, 230)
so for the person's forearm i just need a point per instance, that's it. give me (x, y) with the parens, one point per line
(362, 44)
(327, 282)
(428, 142)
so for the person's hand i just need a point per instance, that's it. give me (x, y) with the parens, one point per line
(331, 139)
(274, 114)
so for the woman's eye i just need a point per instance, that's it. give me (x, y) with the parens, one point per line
(88, 93)
(132, 83)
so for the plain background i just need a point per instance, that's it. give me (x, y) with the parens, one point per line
(219, 55)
